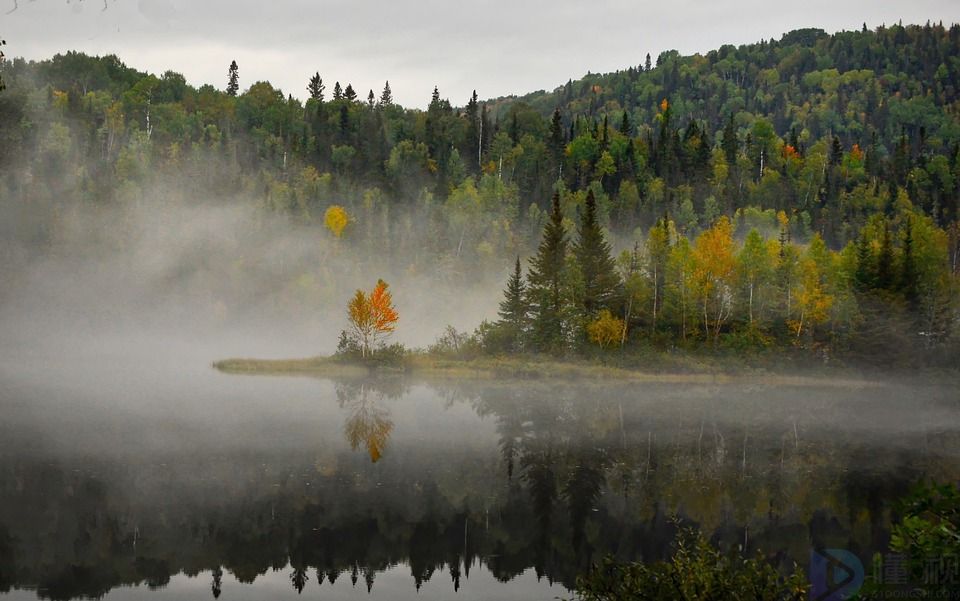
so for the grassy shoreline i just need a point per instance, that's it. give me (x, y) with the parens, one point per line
(682, 370)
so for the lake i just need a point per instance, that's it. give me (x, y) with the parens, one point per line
(145, 475)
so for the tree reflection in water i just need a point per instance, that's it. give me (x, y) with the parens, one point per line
(557, 476)
(368, 421)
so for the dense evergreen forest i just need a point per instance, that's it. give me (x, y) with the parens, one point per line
(797, 193)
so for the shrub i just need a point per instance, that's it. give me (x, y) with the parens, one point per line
(696, 571)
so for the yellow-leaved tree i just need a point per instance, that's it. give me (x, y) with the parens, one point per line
(715, 268)
(606, 330)
(372, 317)
(813, 302)
(336, 220)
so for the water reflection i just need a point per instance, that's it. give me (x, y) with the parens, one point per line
(368, 420)
(501, 479)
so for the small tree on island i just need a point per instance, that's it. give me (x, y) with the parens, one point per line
(372, 317)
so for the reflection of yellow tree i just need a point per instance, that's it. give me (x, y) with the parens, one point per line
(368, 423)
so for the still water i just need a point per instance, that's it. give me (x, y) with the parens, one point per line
(126, 478)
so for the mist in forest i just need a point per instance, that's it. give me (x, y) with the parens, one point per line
(213, 279)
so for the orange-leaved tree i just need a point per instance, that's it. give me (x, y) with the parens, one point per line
(372, 316)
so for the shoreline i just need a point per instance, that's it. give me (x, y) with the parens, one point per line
(538, 368)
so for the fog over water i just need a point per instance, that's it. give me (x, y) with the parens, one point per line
(125, 459)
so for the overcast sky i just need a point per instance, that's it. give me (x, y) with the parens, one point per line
(497, 47)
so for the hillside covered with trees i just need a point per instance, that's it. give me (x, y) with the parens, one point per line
(800, 192)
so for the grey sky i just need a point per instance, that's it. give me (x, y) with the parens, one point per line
(498, 47)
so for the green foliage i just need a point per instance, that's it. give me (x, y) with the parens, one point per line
(453, 344)
(514, 310)
(929, 527)
(233, 79)
(592, 252)
(547, 285)
(696, 571)
(849, 135)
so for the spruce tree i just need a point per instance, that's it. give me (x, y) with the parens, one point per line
(337, 91)
(349, 94)
(557, 140)
(625, 128)
(513, 311)
(908, 267)
(546, 282)
(386, 97)
(316, 87)
(471, 134)
(865, 274)
(3, 86)
(592, 251)
(836, 151)
(233, 83)
(885, 275)
(730, 143)
(647, 64)
(371, 100)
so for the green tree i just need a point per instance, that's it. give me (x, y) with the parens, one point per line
(597, 268)
(386, 97)
(547, 283)
(2, 59)
(657, 254)
(233, 80)
(557, 141)
(316, 87)
(514, 311)
(755, 267)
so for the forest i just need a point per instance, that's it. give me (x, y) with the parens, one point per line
(797, 194)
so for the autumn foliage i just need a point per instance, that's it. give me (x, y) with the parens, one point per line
(372, 316)
(607, 330)
(336, 220)
(368, 425)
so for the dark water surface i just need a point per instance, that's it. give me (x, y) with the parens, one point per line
(133, 477)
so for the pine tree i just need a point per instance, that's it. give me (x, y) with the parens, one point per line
(233, 83)
(592, 251)
(647, 64)
(371, 100)
(546, 282)
(386, 97)
(908, 267)
(836, 151)
(865, 274)
(349, 94)
(337, 91)
(557, 140)
(471, 134)
(3, 86)
(730, 143)
(316, 87)
(514, 310)
(885, 275)
(625, 127)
